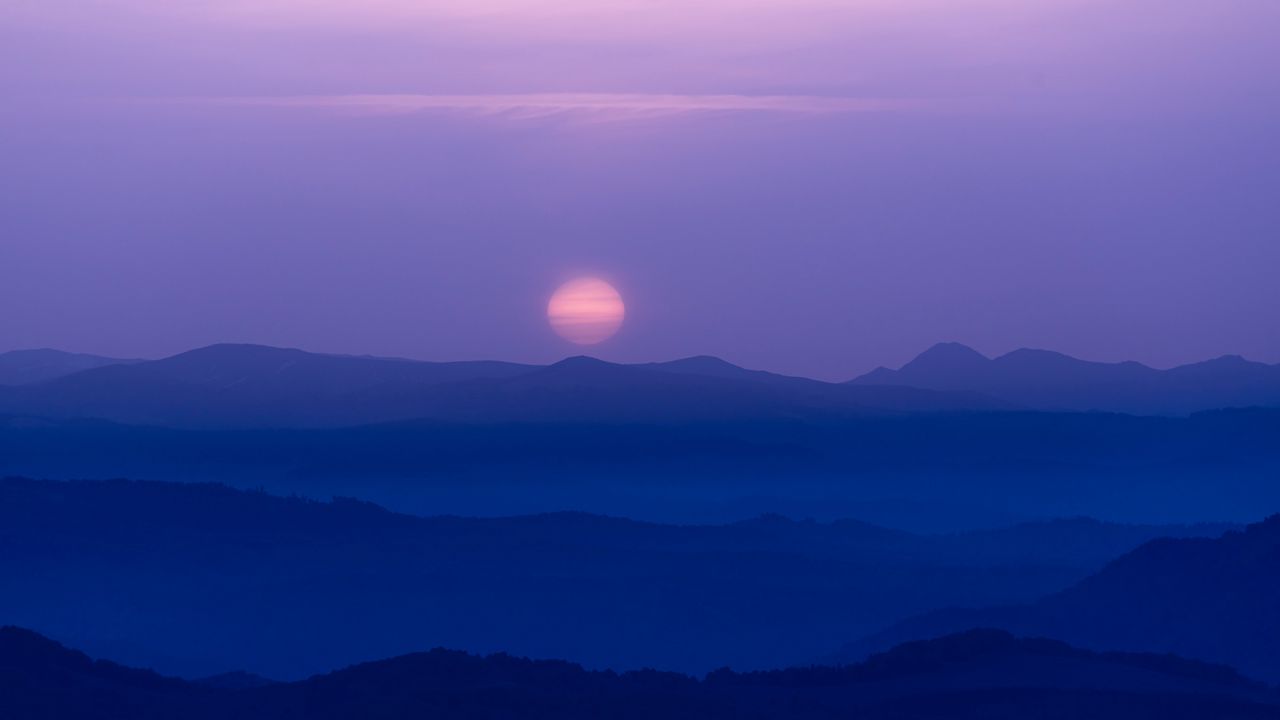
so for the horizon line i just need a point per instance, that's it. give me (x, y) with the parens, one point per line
(628, 363)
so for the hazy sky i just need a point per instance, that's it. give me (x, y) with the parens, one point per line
(810, 186)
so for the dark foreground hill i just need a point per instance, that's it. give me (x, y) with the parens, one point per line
(1046, 380)
(202, 579)
(1214, 599)
(980, 674)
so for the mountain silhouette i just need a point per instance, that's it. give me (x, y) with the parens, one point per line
(979, 674)
(207, 579)
(257, 386)
(1046, 380)
(24, 367)
(234, 384)
(1213, 599)
(710, 366)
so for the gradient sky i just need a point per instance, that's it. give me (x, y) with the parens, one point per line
(809, 186)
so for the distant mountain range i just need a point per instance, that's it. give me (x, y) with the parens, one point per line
(984, 675)
(256, 386)
(1044, 380)
(1214, 599)
(259, 386)
(692, 440)
(201, 579)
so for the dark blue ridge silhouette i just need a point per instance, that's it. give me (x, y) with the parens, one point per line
(255, 386)
(1215, 599)
(203, 579)
(1046, 380)
(977, 674)
(25, 367)
(720, 441)
(258, 386)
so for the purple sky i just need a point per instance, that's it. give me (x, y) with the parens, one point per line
(809, 186)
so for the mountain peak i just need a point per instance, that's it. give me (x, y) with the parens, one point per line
(1036, 353)
(580, 361)
(222, 350)
(707, 360)
(579, 367)
(950, 352)
(948, 357)
(703, 365)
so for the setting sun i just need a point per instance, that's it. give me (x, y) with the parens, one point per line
(586, 311)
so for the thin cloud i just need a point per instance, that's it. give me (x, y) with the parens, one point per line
(602, 105)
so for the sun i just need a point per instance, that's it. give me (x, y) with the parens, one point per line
(586, 311)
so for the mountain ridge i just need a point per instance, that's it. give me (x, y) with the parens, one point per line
(48, 382)
(1053, 381)
(1212, 599)
(250, 385)
(187, 568)
(978, 674)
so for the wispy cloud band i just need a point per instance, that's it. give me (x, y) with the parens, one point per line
(535, 105)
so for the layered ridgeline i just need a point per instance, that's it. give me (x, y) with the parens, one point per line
(695, 440)
(981, 674)
(236, 386)
(257, 386)
(201, 579)
(1214, 599)
(1044, 380)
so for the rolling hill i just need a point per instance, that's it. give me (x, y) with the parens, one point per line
(980, 674)
(1213, 599)
(203, 579)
